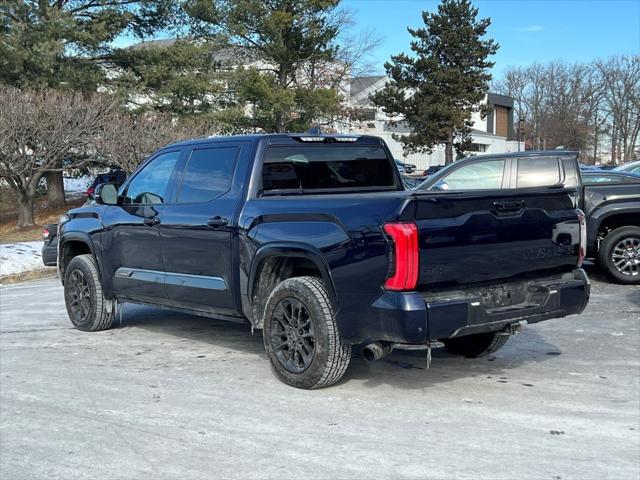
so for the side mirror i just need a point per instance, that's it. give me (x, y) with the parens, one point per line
(106, 194)
(441, 186)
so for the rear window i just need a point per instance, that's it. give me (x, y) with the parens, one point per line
(538, 172)
(322, 168)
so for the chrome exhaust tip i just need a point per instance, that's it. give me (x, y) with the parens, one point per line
(375, 351)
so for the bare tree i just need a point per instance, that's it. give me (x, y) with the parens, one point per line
(563, 104)
(621, 77)
(131, 137)
(40, 130)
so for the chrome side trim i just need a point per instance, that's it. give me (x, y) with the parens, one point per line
(173, 279)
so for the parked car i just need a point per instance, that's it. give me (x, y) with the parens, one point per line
(50, 245)
(589, 168)
(405, 168)
(432, 169)
(117, 177)
(631, 167)
(609, 199)
(316, 241)
(611, 202)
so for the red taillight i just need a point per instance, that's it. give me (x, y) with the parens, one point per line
(405, 258)
(45, 233)
(583, 237)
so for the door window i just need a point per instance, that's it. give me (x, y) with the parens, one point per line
(208, 174)
(151, 184)
(538, 172)
(474, 176)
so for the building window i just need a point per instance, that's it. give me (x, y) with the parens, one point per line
(478, 147)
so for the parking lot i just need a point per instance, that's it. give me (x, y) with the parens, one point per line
(166, 395)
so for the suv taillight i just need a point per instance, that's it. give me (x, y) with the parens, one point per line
(583, 237)
(45, 233)
(405, 256)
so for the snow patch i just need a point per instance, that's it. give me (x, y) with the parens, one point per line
(77, 185)
(20, 257)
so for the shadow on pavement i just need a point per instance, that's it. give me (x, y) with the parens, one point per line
(401, 369)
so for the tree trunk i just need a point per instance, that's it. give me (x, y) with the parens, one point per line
(55, 190)
(595, 144)
(448, 153)
(279, 122)
(25, 210)
(614, 141)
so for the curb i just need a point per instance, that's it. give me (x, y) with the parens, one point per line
(30, 275)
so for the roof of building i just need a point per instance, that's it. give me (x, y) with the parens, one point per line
(234, 54)
(359, 84)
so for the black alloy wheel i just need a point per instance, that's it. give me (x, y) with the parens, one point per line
(78, 297)
(293, 335)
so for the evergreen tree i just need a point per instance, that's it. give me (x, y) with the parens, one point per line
(284, 38)
(65, 44)
(437, 88)
(178, 76)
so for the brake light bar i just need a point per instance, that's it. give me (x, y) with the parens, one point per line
(405, 256)
(582, 253)
(327, 139)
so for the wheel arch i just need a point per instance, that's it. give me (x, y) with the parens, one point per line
(610, 218)
(275, 262)
(72, 244)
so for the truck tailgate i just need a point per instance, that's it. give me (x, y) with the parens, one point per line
(467, 238)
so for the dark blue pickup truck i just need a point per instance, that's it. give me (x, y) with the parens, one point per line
(315, 240)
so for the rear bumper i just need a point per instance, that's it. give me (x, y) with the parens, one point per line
(546, 298)
(418, 317)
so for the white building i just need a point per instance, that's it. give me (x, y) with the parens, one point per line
(493, 134)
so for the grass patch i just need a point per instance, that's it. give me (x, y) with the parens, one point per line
(10, 233)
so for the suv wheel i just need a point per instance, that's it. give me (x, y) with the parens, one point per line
(477, 345)
(620, 254)
(87, 308)
(301, 336)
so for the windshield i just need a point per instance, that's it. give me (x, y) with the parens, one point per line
(323, 168)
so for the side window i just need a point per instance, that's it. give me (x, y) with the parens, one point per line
(475, 176)
(150, 184)
(538, 172)
(208, 174)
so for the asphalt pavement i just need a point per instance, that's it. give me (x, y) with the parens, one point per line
(165, 395)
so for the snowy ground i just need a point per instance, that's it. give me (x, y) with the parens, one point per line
(77, 185)
(166, 395)
(20, 257)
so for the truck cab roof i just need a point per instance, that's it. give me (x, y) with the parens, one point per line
(282, 139)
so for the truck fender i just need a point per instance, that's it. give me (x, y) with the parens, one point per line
(290, 249)
(76, 236)
(605, 212)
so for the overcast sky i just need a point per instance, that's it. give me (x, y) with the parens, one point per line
(527, 30)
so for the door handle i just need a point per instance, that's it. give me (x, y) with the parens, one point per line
(501, 207)
(151, 221)
(217, 221)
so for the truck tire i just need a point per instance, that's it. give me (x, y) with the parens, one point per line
(620, 254)
(88, 310)
(301, 336)
(477, 345)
